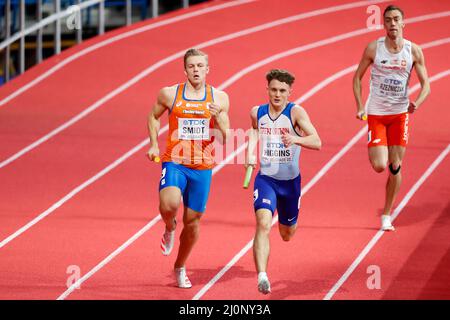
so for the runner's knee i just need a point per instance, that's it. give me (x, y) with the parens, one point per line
(169, 206)
(378, 166)
(264, 226)
(192, 228)
(286, 237)
(394, 168)
(287, 233)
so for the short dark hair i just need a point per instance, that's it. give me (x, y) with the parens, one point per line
(392, 8)
(194, 52)
(280, 75)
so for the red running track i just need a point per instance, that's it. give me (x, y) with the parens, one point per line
(85, 229)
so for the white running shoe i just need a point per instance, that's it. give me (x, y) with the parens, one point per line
(182, 279)
(263, 283)
(386, 224)
(167, 242)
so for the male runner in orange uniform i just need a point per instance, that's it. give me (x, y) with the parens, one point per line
(388, 106)
(198, 113)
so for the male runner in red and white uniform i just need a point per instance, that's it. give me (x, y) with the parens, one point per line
(388, 106)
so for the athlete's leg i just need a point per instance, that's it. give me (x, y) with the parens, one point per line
(261, 243)
(171, 186)
(377, 142)
(261, 248)
(287, 232)
(378, 157)
(396, 154)
(169, 202)
(397, 137)
(265, 202)
(189, 235)
(195, 198)
(288, 206)
(188, 238)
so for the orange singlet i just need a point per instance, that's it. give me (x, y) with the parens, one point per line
(190, 140)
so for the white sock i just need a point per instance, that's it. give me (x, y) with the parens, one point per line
(262, 275)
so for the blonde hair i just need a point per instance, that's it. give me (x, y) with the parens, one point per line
(194, 52)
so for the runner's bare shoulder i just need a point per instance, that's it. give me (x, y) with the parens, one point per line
(167, 95)
(371, 50)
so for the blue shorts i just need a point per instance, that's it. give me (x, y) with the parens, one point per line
(282, 195)
(194, 184)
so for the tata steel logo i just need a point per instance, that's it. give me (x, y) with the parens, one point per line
(194, 122)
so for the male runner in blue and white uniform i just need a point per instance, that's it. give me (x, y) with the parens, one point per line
(282, 128)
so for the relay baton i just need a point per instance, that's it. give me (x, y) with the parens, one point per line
(248, 176)
(156, 159)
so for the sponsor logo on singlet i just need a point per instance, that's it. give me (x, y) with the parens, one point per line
(273, 149)
(198, 112)
(276, 149)
(394, 64)
(392, 87)
(194, 105)
(274, 131)
(193, 129)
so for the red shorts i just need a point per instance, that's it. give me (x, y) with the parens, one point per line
(390, 130)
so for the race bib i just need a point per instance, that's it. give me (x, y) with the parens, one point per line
(392, 87)
(274, 151)
(193, 129)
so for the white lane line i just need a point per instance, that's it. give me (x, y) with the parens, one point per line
(308, 186)
(397, 211)
(122, 36)
(352, 68)
(75, 191)
(109, 258)
(136, 236)
(84, 185)
(324, 42)
(169, 59)
(380, 233)
(103, 172)
(436, 77)
(215, 170)
(325, 83)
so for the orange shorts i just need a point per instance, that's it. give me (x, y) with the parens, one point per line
(389, 130)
